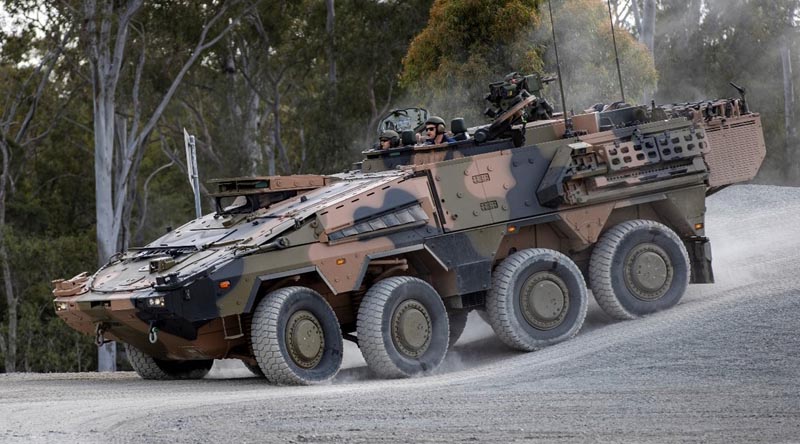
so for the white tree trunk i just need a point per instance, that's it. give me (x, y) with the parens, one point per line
(105, 67)
(637, 18)
(252, 124)
(647, 36)
(648, 33)
(791, 147)
(103, 162)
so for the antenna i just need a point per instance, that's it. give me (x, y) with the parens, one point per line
(616, 55)
(567, 124)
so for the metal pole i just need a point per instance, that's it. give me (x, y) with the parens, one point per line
(195, 180)
(191, 169)
(616, 56)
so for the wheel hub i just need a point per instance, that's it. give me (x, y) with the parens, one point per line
(305, 339)
(648, 272)
(411, 328)
(544, 300)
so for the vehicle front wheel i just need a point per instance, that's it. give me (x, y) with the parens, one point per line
(296, 337)
(402, 327)
(148, 367)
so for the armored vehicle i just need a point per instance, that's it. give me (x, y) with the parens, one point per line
(518, 218)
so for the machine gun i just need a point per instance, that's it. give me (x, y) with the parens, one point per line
(513, 101)
(513, 89)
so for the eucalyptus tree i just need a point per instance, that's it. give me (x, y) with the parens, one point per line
(108, 30)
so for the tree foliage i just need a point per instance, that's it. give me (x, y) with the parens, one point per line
(702, 46)
(469, 43)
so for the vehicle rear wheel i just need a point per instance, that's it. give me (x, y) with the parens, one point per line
(538, 298)
(457, 320)
(296, 337)
(638, 267)
(402, 327)
(148, 367)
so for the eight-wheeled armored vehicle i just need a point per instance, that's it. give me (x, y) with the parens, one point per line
(518, 218)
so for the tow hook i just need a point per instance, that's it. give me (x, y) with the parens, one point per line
(99, 338)
(153, 335)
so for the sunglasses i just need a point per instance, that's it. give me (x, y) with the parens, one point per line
(430, 128)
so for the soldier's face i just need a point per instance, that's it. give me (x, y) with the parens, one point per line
(386, 144)
(430, 131)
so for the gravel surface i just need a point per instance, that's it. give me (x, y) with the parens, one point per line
(722, 366)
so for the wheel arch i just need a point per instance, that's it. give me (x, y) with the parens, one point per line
(308, 276)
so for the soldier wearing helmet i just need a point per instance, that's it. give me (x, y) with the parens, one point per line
(435, 131)
(389, 139)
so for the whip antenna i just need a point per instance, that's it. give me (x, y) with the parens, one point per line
(567, 124)
(616, 56)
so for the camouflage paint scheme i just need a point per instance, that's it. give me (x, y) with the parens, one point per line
(444, 213)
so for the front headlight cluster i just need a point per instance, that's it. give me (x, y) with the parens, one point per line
(62, 306)
(157, 301)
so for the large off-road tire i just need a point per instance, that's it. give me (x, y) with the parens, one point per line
(638, 267)
(296, 337)
(402, 327)
(148, 367)
(457, 320)
(538, 298)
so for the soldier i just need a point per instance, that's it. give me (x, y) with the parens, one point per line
(435, 131)
(389, 139)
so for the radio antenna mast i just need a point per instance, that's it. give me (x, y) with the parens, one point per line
(558, 70)
(616, 55)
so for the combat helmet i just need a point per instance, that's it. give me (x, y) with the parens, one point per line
(439, 122)
(392, 136)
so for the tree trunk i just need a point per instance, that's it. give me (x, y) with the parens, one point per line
(270, 160)
(13, 304)
(789, 116)
(9, 343)
(277, 137)
(647, 37)
(330, 48)
(252, 124)
(103, 162)
(637, 18)
(649, 25)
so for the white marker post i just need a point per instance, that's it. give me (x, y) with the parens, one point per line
(191, 169)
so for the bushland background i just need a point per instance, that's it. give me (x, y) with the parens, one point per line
(94, 95)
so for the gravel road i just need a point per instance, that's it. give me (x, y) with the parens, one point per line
(722, 366)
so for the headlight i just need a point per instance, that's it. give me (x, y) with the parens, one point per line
(61, 306)
(157, 301)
